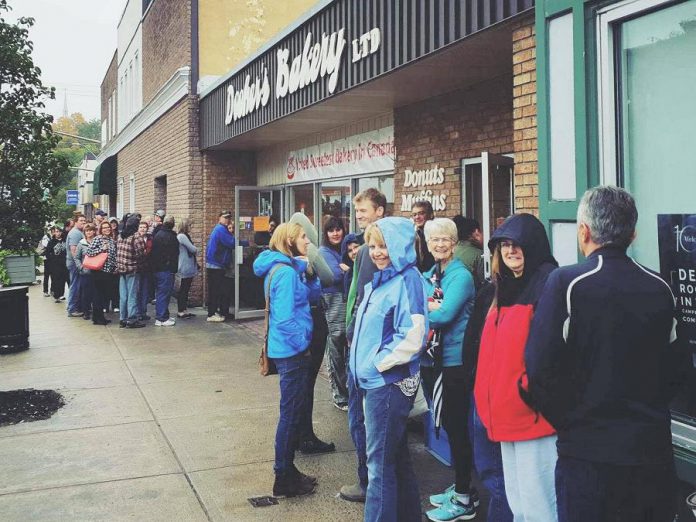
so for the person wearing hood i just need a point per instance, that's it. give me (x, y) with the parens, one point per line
(335, 312)
(521, 264)
(130, 256)
(309, 442)
(290, 285)
(391, 326)
(450, 286)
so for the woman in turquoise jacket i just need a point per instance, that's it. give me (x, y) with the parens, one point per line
(289, 285)
(390, 333)
(451, 288)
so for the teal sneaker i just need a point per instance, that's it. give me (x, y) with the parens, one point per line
(441, 498)
(452, 511)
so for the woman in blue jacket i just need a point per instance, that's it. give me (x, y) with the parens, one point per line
(451, 288)
(390, 334)
(289, 283)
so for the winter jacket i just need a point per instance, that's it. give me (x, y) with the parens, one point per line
(220, 247)
(391, 323)
(501, 354)
(290, 320)
(453, 315)
(188, 266)
(363, 272)
(165, 251)
(130, 254)
(333, 260)
(602, 362)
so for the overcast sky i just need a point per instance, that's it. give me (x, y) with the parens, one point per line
(73, 44)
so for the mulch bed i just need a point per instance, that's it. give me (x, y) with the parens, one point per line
(28, 405)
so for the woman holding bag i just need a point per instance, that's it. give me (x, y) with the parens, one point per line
(289, 284)
(103, 278)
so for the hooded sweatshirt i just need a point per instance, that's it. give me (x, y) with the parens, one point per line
(345, 258)
(290, 320)
(504, 335)
(391, 322)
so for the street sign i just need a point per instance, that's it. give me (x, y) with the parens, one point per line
(72, 197)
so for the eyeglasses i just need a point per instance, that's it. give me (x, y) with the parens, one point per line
(440, 240)
(417, 214)
(509, 245)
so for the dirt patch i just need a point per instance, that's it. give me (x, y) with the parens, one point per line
(28, 405)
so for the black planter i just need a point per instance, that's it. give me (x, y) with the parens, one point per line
(14, 319)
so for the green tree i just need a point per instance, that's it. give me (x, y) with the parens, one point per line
(29, 169)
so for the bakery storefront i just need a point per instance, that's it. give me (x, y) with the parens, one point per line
(421, 100)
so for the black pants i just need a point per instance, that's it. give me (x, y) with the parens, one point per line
(317, 346)
(216, 282)
(103, 284)
(87, 293)
(455, 413)
(609, 493)
(182, 296)
(227, 296)
(47, 275)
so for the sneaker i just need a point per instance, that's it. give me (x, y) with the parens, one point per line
(352, 493)
(56, 300)
(46, 294)
(122, 324)
(341, 406)
(62, 298)
(116, 310)
(290, 485)
(315, 446)
(441, 498)
(217, 318)
(452, 510)
(168, 322)
(75, 314)
(136, 324)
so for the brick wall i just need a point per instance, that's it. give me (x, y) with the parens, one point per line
(525, 116)
(443, 130)
(108, 85)
(166, 43)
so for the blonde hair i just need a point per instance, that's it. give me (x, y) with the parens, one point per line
(373, 232)
(185, 226)
(285, 237)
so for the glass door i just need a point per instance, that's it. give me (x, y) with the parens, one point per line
(255, 211)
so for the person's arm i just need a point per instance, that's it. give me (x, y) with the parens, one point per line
(284, 285)
(226, 239)
(186, 242)
(547, 386)
(410, 328)
(459, 291)
(79, 253)
(321, 269)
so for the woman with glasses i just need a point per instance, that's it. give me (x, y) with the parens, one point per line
(521, 263)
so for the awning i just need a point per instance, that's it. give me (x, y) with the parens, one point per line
(105, 177)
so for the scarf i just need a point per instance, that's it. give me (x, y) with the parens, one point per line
(434, 351)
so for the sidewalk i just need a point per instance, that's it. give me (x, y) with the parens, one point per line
(162, 424)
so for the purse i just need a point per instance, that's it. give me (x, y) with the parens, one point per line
(266, 365)
(95, 263)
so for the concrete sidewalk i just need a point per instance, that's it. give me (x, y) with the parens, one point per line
(162, 424)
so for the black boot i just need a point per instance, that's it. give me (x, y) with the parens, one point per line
(290, 485)
(313, 446)
(307, 479)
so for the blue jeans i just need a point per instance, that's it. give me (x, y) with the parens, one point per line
(488, 461)
(144, 293)
(74, 290)
(164, 285)
(293, 373)
(128, 292)
(356, 426)
(392, 490)
(86, 293)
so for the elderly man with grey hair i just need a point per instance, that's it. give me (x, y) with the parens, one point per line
(602, 362)
(164, 260)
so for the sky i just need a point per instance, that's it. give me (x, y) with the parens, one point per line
(74, 41)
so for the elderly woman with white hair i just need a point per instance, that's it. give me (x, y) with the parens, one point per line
(451, 292)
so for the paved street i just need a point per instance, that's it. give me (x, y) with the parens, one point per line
(161, 424)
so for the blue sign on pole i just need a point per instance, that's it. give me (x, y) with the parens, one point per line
(72, 197)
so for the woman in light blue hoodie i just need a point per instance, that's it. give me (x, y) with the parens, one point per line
(390, 333)
(289, 284)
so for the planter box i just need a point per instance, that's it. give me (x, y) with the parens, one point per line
(14, 328)
(20, 269)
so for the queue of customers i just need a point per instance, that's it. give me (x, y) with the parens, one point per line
(120, 267)
(552, 384)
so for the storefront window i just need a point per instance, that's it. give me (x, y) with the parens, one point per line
(302, 200)
(336, 201)
(656, 74)
(384, 184)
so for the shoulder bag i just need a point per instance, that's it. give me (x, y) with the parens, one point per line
(266, 365)
(95, 263)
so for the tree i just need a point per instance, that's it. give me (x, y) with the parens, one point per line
(29, 169)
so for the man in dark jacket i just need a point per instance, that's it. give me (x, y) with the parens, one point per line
(602, 362)
(422, 211)
(164, 261)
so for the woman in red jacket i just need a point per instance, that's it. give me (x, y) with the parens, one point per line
(520, 265)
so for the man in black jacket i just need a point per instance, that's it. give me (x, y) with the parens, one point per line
(602, 364)
(164, 260)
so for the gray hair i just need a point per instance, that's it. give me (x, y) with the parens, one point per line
(611, 215)
(168, 222)
(441, 226)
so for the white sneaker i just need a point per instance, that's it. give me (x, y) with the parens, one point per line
(116, 310)
(217, 318)
(168, 322)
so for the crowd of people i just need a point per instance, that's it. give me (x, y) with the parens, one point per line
(112, 266)
(552, 384)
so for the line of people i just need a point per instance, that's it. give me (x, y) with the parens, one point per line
(120, 267)
(552, 383)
